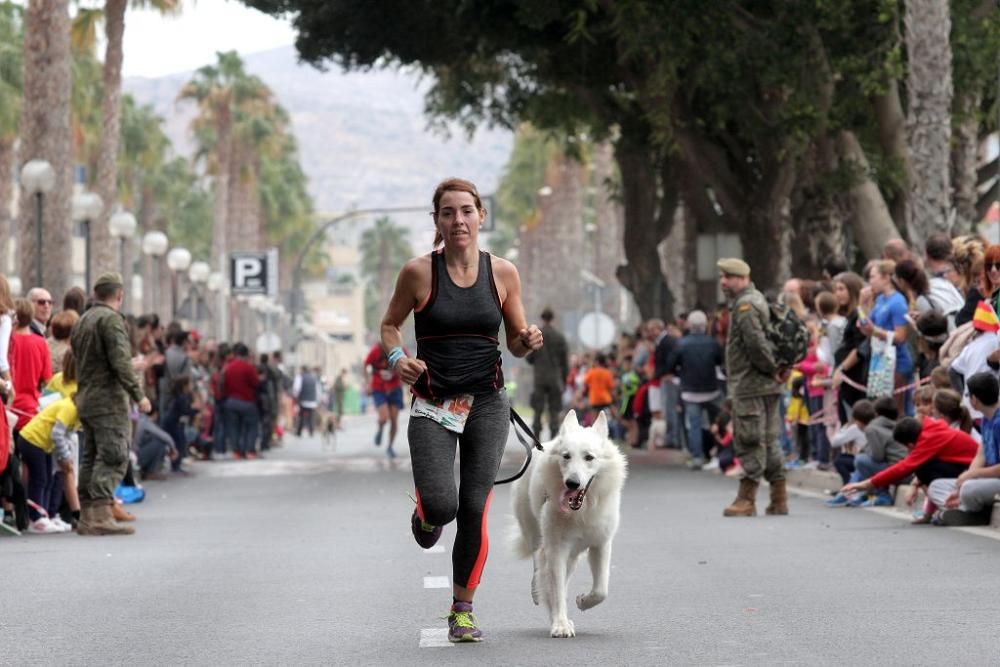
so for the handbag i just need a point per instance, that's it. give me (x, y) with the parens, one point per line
(881, 368)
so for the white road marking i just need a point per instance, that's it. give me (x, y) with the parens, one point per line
(436, 582)
(434, 638)
(436, 549)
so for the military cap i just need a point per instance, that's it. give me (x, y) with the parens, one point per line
(109, 278)
(734, 267)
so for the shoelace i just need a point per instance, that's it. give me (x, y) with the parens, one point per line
(463, 619)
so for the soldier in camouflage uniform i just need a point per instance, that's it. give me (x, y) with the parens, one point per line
(755, 389)
(107, 382)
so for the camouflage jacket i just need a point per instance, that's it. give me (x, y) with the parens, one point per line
(750, 366)
(104, 364)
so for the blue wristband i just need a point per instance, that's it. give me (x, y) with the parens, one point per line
(395, 354)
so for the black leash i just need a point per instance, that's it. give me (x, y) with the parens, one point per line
(520, 429)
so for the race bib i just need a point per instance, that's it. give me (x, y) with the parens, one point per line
(449, 412)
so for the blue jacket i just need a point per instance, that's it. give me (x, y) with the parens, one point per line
(694, 360)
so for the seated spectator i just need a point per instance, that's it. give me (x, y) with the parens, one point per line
(947, 405)
(968, 499)
(152, 445)
(848, 442)
(880, 450)
(182, 406)
(936, 451)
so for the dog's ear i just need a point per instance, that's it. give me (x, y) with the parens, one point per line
(601, 426)
(569, 422)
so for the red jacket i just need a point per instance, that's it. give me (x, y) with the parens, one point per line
(936, 441)
(240, 380)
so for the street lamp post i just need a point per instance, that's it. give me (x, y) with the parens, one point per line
(216, 285)
(38, 178)
(178, 259)
(154, 245)
(87, 207)
(122, 226)
(198, 274)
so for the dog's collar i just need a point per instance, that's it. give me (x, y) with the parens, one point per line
(577, 502)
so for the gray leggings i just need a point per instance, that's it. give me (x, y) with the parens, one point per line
(432, 455)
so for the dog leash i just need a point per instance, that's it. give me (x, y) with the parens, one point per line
(520, 429)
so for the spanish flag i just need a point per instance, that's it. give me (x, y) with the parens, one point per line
(985, 318)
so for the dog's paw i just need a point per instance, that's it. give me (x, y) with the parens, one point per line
(562, 628)
(588, 600)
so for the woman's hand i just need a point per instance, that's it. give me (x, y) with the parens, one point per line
(911, 494)
(410, 369)
(856, 486)
(531, 338)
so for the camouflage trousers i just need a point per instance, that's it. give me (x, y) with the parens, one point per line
(104, 455)
(756, 427)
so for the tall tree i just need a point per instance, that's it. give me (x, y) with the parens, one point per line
(220, 90)
(11, 70)
(384, 248)
(45, 134)
(929, 88)
(106, 178)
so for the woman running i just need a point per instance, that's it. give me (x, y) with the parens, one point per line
(459, 296)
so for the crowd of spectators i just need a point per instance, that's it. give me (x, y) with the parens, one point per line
(886, 396)
(210, 401)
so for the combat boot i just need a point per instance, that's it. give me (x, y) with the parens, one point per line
(779, 498)
(84, 523)
(120, 513)
(102, 521)
(746, 500)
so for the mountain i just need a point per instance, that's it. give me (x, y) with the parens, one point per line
(363, 137)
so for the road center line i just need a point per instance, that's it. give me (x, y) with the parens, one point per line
(436, 582)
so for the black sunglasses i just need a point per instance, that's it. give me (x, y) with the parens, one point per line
(994, 265)
(43, 302)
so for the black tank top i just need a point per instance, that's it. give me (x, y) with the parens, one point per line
(457, 334)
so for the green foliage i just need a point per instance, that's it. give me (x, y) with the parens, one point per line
(11, 67)
(384, 248)
(517, 195)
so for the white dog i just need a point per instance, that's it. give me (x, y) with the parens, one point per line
(568, 503)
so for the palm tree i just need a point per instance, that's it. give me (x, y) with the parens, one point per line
(384, 248)
(929, 84)
(45, 134)
(220, 90)
(106, 177)
(11, 66)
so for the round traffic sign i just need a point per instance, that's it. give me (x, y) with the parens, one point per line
(596, 330)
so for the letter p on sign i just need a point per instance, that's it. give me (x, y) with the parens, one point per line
(249, 273)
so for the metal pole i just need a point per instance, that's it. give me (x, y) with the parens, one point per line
(38, 240)
(86, 253)
(155, 287)
(121, 255)
(173, 294)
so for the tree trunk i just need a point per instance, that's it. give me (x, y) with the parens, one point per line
(7, 159)
(45, 134)
(964, 160)
(928, 29)
(817, 223)
(104, 248)
(891, 125)
(648, 219)
(871, 222)
(220, 191)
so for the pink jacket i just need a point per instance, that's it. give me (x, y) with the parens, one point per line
(812, 368)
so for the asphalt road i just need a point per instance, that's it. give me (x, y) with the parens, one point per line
(306, 558)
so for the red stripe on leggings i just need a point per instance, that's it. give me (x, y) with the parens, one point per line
(484, 547)
(420, 508)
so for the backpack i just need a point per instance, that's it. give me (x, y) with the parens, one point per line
(788, 335)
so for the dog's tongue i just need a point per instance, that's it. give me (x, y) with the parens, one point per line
(567, 496)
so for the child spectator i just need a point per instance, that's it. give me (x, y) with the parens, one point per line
(880, 450)
(797, 418)
(969, 497)
(816, 375)
(940, 379)
(628, 385)
(599, 383)
(48, 433)
(936, 451)
(923, 402)
(947, 405)
(849, 441)
(152, 445)
(722, 434)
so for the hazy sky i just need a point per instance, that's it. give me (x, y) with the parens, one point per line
(155, 45)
